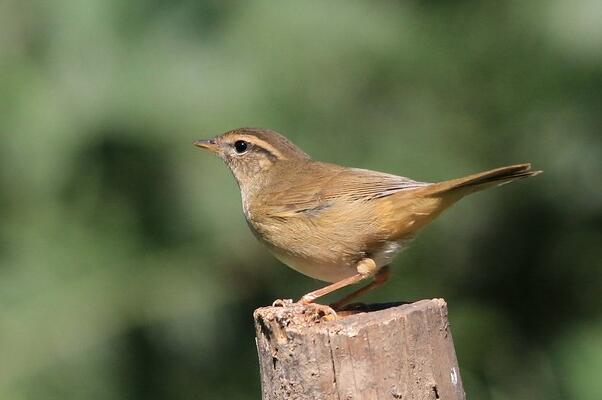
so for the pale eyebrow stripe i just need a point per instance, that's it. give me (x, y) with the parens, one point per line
(265, 145)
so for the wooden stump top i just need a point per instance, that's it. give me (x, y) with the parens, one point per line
(400, 352)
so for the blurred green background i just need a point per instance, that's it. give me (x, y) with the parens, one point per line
(126, 268)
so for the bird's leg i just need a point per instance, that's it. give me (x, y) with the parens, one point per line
(380, 278)
(365, 269)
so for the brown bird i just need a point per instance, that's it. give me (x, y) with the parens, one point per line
(334, 223)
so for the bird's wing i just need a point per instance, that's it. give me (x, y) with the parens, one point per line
(318, 186)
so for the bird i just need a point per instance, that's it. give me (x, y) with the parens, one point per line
(337, 224)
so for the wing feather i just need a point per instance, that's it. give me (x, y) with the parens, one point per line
(303, 195)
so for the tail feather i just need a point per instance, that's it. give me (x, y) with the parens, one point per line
(423, 204)
(482, 180)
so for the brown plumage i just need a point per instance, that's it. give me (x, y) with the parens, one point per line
(335, 223)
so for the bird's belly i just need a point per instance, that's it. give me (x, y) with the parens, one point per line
(326, 253)
(334, 272)
(314, 268)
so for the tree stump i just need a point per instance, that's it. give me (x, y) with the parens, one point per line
(403, 352)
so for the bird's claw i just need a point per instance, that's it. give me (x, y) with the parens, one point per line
(282, 302)
(325, 312)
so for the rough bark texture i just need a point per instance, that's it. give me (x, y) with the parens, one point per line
(404, 352)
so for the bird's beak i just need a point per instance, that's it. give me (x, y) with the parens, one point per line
(210, 145)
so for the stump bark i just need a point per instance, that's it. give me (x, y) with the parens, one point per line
(403, 352)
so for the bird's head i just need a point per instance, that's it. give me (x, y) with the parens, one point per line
(251, 152)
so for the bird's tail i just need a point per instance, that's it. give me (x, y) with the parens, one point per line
(460, 187)
(422, 205)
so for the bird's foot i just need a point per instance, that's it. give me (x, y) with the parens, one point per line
(322, 311)
(325, 312)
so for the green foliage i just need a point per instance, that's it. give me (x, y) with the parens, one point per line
(126, 269)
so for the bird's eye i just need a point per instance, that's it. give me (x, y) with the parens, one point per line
(240, 146)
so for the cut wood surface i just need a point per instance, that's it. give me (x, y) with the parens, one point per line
(401, 352)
